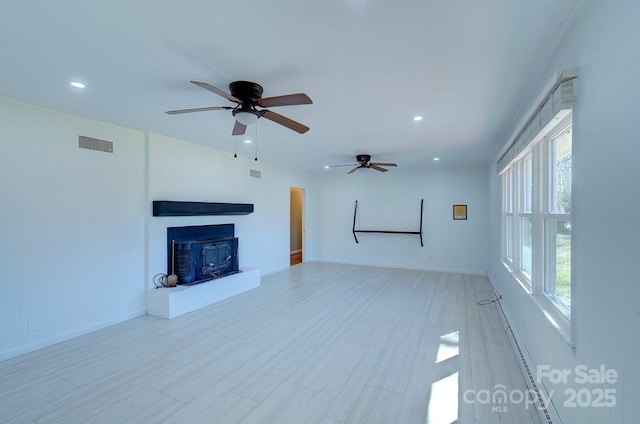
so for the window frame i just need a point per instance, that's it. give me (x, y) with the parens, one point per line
(514, 186)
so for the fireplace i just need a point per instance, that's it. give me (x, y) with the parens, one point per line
(201, 253)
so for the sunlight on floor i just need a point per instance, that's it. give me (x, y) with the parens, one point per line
(449, 347)
(443, 401)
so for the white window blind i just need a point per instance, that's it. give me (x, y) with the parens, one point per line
(555, 106)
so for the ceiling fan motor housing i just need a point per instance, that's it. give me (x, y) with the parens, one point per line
(363, 158)
(248, 92)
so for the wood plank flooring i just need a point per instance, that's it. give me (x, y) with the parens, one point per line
(316, 343)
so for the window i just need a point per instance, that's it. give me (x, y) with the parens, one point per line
(537, 216)
(536, 172)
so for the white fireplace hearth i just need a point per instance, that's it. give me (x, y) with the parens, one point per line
(172, 302)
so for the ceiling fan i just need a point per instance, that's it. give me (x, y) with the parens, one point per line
(364, 161)
(248, 95)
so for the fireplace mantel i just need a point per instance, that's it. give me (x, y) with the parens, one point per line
(174, 208)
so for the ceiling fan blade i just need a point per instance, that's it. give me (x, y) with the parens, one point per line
(377, 168)
(217, 91)
(239, 129)
(284, 121)
(383, 164)
(197, 109)
(346, 164)
(286, 100)
(354, 169)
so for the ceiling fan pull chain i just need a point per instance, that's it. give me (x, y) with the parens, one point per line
(235, 146)
(256, 158)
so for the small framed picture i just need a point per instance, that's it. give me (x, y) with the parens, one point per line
(459, 212)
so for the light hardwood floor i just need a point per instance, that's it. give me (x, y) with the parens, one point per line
(316, 343)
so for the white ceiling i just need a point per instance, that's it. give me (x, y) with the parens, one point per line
(368, 65)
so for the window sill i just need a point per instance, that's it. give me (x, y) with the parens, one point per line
(557, 319)
(525, 284)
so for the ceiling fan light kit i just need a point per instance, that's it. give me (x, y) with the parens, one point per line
(246, 117)
(248, 95)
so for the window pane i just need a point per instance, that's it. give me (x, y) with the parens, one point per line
(507, 180)
(527, 185)
(508, 229)
(560, 170)
(558, 285)
(526, 247)
(511, 193)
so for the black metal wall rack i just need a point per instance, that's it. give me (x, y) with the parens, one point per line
(387, 231)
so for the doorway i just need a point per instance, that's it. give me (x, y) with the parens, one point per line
(296, 229)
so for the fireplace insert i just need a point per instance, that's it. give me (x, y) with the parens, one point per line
(202, 253)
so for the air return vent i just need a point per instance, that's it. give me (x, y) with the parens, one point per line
(254, 173)
(95, 144)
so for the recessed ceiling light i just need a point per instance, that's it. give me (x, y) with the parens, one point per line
(247, 141)
(417, 118)
(436, 159)
(77, 84)
(326, 167)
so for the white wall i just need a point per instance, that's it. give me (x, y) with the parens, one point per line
(391, 201)
(187, 172)
(79, 245)
(71, 227)
(603, 43)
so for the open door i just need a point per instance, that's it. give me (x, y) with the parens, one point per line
(296, 228)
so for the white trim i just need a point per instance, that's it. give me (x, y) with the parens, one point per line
(555, 317)
(400, 266)
(525, 287)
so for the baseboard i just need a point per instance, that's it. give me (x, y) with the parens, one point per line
(397, 266)
(68, 335)
(274, 270)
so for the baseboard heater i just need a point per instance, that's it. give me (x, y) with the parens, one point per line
(173, 208)
(543, 409)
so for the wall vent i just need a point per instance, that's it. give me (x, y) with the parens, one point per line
(95, 144)
(254, 173)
